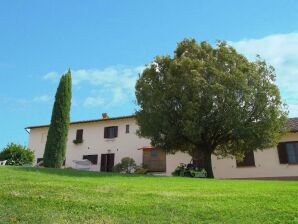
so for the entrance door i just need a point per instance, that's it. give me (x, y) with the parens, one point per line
(107, 162)
(154, 160)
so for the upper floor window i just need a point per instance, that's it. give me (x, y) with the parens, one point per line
(111, 132)
(288, 152)
(79, 135)
(248, 160)
(127, 128)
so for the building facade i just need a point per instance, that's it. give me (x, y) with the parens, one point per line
(106, 141)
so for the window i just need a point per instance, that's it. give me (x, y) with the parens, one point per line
(111, 132)
(79, 135)
(248, 160)
(153, 153)
(92, 158)
(127, 128)
(288, 152)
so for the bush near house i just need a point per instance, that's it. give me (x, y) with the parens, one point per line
(17, 155)
(141, 169)
(127, 165)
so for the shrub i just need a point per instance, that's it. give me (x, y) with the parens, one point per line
(17, 155)
(141, 170)
(127, 165)
(118, 168)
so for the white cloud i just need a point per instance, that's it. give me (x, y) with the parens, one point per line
(280, 51)
(51, 76)
(94, 101)
(114, 85)
(44, 98)
(108, 76)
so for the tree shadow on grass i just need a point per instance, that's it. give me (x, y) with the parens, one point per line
(79, 173)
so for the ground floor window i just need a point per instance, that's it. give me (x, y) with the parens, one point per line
(248, 160)
(92, 158)
(288, 152)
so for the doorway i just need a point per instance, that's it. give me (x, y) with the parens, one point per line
(107, 162)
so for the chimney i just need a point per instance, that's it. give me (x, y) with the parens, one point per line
(105, 116)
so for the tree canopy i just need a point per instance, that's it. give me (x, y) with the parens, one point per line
(55, 149)
(17, 155)
(209, 100)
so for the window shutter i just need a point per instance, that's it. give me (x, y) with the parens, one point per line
(79, 135)
(92, 158)
(106, 132)
(282, 153)
(116, 131)
(248, 160)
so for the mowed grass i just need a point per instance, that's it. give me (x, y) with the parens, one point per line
(32, 195)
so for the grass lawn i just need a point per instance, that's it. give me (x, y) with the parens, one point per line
(31, 195)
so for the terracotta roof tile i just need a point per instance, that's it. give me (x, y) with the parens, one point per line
(86, 121)
(292, 124)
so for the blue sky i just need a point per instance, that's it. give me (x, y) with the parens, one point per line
(107, 43)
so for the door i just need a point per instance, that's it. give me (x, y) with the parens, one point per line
(110, 163)
(107, 162)
(154, 160)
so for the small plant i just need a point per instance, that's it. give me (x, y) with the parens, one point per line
(77, 141)
(127, 165)
(17, 155)
(141, 169)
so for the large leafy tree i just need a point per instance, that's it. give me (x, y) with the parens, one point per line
(209, 100)
(55, 148)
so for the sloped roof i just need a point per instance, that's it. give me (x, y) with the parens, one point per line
(292, 124)
(87, 121)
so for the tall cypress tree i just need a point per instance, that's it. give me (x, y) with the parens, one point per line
(55, 149)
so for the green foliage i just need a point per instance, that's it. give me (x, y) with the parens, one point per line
(127, 165)
(207, 100)
(17, 155)
(55, 148)
(141, 169)
(77, 141)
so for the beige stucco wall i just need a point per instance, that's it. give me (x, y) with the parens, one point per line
(126, 144)
(266, 164)
(266, 161)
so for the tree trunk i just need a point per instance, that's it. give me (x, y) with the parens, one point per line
(202, 159)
